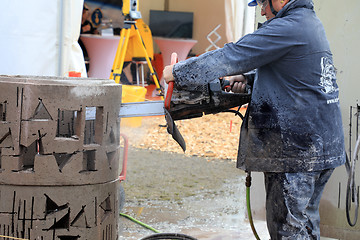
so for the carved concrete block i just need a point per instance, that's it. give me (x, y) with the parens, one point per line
(59, 158)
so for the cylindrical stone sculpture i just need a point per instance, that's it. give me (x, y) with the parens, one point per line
(59, 158)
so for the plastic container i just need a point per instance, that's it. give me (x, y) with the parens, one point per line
(132, 93)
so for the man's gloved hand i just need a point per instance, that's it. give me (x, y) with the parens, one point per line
(237, 84)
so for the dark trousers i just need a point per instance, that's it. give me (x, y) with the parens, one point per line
(292, 204)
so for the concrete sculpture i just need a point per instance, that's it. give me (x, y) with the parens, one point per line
(59, 158)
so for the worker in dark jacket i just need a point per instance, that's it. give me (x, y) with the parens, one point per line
(293, 128)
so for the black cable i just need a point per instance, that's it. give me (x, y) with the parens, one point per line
(352, 192)
(178, 236)
(237, 112)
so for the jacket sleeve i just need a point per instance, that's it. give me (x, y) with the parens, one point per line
(267, 44)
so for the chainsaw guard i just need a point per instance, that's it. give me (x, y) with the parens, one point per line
(174, 131)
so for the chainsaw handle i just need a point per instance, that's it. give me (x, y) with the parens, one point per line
(225, 84)
(170, 85)
(122, 176)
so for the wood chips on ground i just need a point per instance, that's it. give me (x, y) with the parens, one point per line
(212, 136)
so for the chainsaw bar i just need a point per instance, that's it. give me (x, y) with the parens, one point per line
(174, 131)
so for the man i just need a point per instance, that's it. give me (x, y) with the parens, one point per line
(293, 128)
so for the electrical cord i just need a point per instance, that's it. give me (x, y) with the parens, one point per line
(237, 113)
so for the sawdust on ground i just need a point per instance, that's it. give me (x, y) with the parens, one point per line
(214, 136)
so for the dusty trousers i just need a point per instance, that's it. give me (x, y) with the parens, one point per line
(292, 204)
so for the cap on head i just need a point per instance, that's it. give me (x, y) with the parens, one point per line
(252, 3)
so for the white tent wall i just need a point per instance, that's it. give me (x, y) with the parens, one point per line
(71, 53)
(39, 37)
(239, 19)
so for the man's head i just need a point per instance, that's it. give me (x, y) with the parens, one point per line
(269, 8)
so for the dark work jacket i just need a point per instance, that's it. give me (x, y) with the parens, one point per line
(293, 122)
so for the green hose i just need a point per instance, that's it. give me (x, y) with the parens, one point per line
(140, 223)
(248, 184)
(158, 234)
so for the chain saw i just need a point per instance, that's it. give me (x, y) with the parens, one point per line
(209, 98)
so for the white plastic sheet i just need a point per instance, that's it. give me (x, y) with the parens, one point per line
(39, 37)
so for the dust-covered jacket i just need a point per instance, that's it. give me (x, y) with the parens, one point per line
(293, 122)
